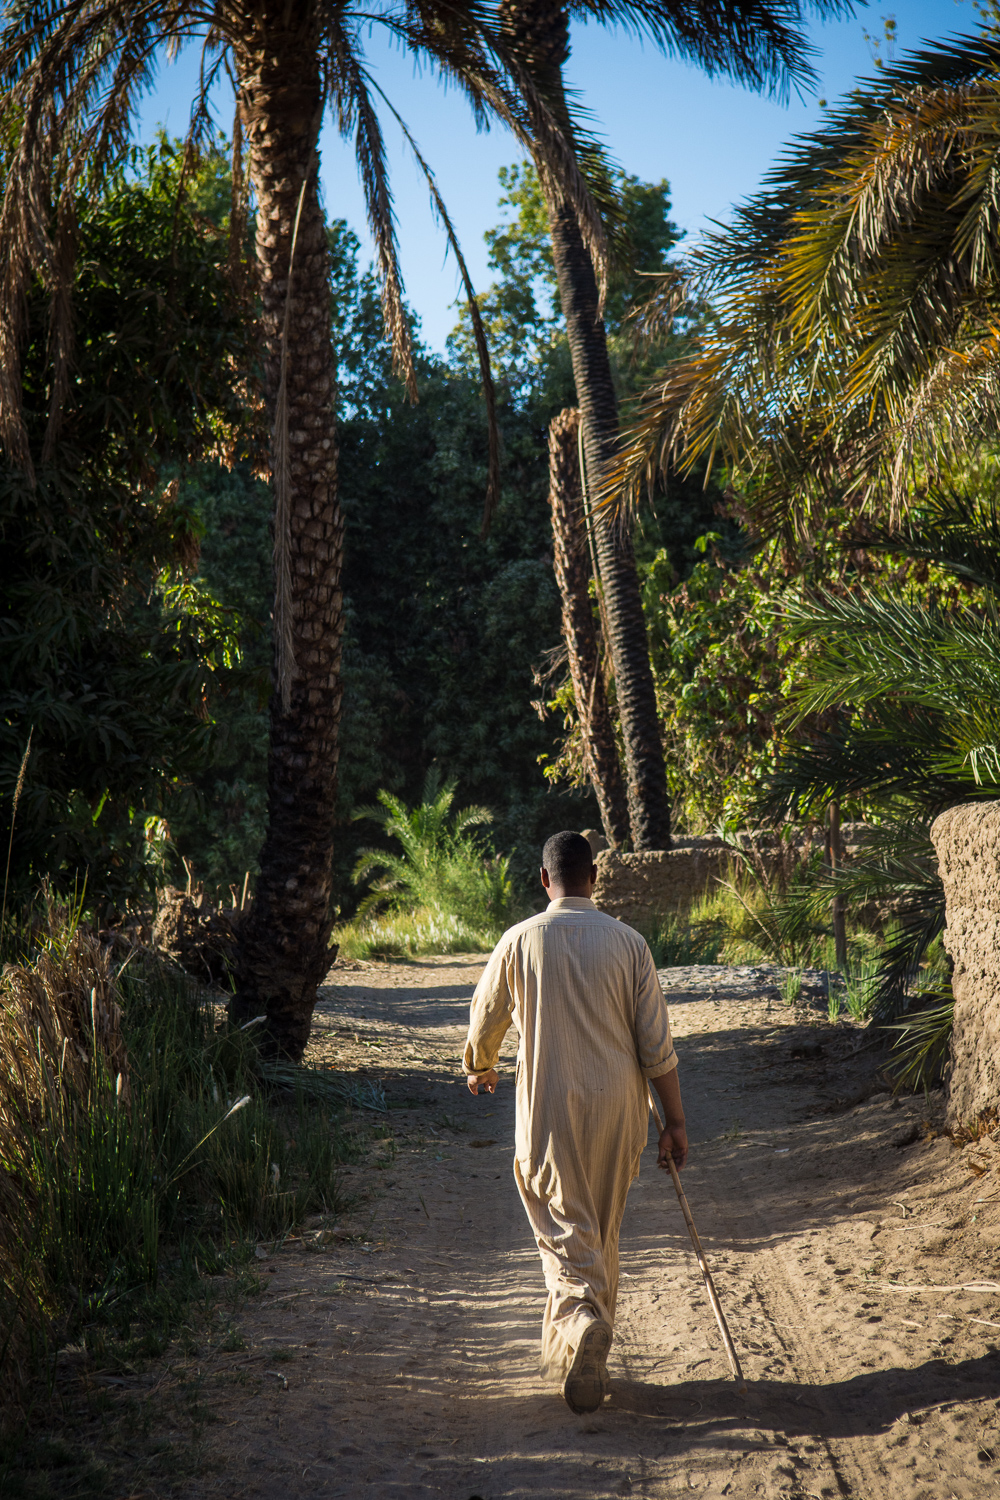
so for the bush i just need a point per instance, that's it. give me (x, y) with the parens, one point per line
(136, 1137)
(446, 892)
(694, 939)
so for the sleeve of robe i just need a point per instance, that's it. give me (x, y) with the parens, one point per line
(654, 1044)
(489, 1014)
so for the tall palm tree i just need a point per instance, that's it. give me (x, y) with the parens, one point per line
(71, 75)
(573, 572)
(858, 300)
(759, 42)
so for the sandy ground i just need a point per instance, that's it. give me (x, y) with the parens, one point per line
(396, 1355)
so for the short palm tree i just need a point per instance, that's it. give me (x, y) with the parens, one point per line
(758, 42)
(443, 868)
(71, 75)
(857, 302)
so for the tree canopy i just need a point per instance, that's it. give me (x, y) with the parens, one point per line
(113, 657)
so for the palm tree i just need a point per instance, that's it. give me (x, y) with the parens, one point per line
(857, 301)
(573, 572)
(444, 868)
(71, 75)
(915, 685)
(757, 41)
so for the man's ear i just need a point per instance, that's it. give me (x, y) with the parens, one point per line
(543, 872)
(593, 874)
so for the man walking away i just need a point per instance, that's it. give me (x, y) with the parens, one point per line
(581, 989)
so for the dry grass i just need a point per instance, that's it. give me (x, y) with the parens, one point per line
(138, 1141)
(967, 1131)
(60, 1043)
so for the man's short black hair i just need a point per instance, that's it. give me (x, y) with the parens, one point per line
(568, 858)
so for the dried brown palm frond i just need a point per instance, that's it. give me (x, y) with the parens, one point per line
(654, 320)
(858, 300)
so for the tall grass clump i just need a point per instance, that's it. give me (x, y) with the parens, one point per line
(695, 938)
(446, 891)
(137, 1138)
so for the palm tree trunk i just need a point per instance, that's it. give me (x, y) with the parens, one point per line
(648, 804)
(573, 573)
(538, 32)
(284, 951)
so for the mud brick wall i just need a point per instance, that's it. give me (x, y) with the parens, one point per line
(641, 888)
(967, 841)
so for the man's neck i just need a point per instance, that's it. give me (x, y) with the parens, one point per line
(557, 892)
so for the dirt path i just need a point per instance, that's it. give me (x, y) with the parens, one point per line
(401, 1362)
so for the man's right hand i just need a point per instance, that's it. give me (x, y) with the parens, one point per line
(673, 1143)
(488, 1081)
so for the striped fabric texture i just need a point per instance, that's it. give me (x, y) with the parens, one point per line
(581, 990)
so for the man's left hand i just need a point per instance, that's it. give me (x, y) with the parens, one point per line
(488, 1081)
(673, 1143)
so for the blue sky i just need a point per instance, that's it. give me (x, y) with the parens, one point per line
(660, 118)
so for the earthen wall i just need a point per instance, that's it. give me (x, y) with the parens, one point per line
(967, 841)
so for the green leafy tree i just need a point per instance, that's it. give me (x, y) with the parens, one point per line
(759, 43)
(113, 657)
(72, 76)
(522, 312)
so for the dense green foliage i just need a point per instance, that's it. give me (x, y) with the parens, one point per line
(112, 657)
(521, 309)
(169, 657)
(444, 628)
(162, 1149)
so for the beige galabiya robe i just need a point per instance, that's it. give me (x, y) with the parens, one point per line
(581, 989)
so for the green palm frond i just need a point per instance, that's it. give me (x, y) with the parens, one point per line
(471, 817)
(442, 868)
(923, 1042)
(759, 44)
(891, 757)
(897, 874)
(874, 645)
(957, 530)
(857, 299)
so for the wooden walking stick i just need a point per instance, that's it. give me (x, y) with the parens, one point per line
(713, 1296)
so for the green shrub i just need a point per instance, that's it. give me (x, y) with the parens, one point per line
(447, 890)
(138, 1136)
(692, 939)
